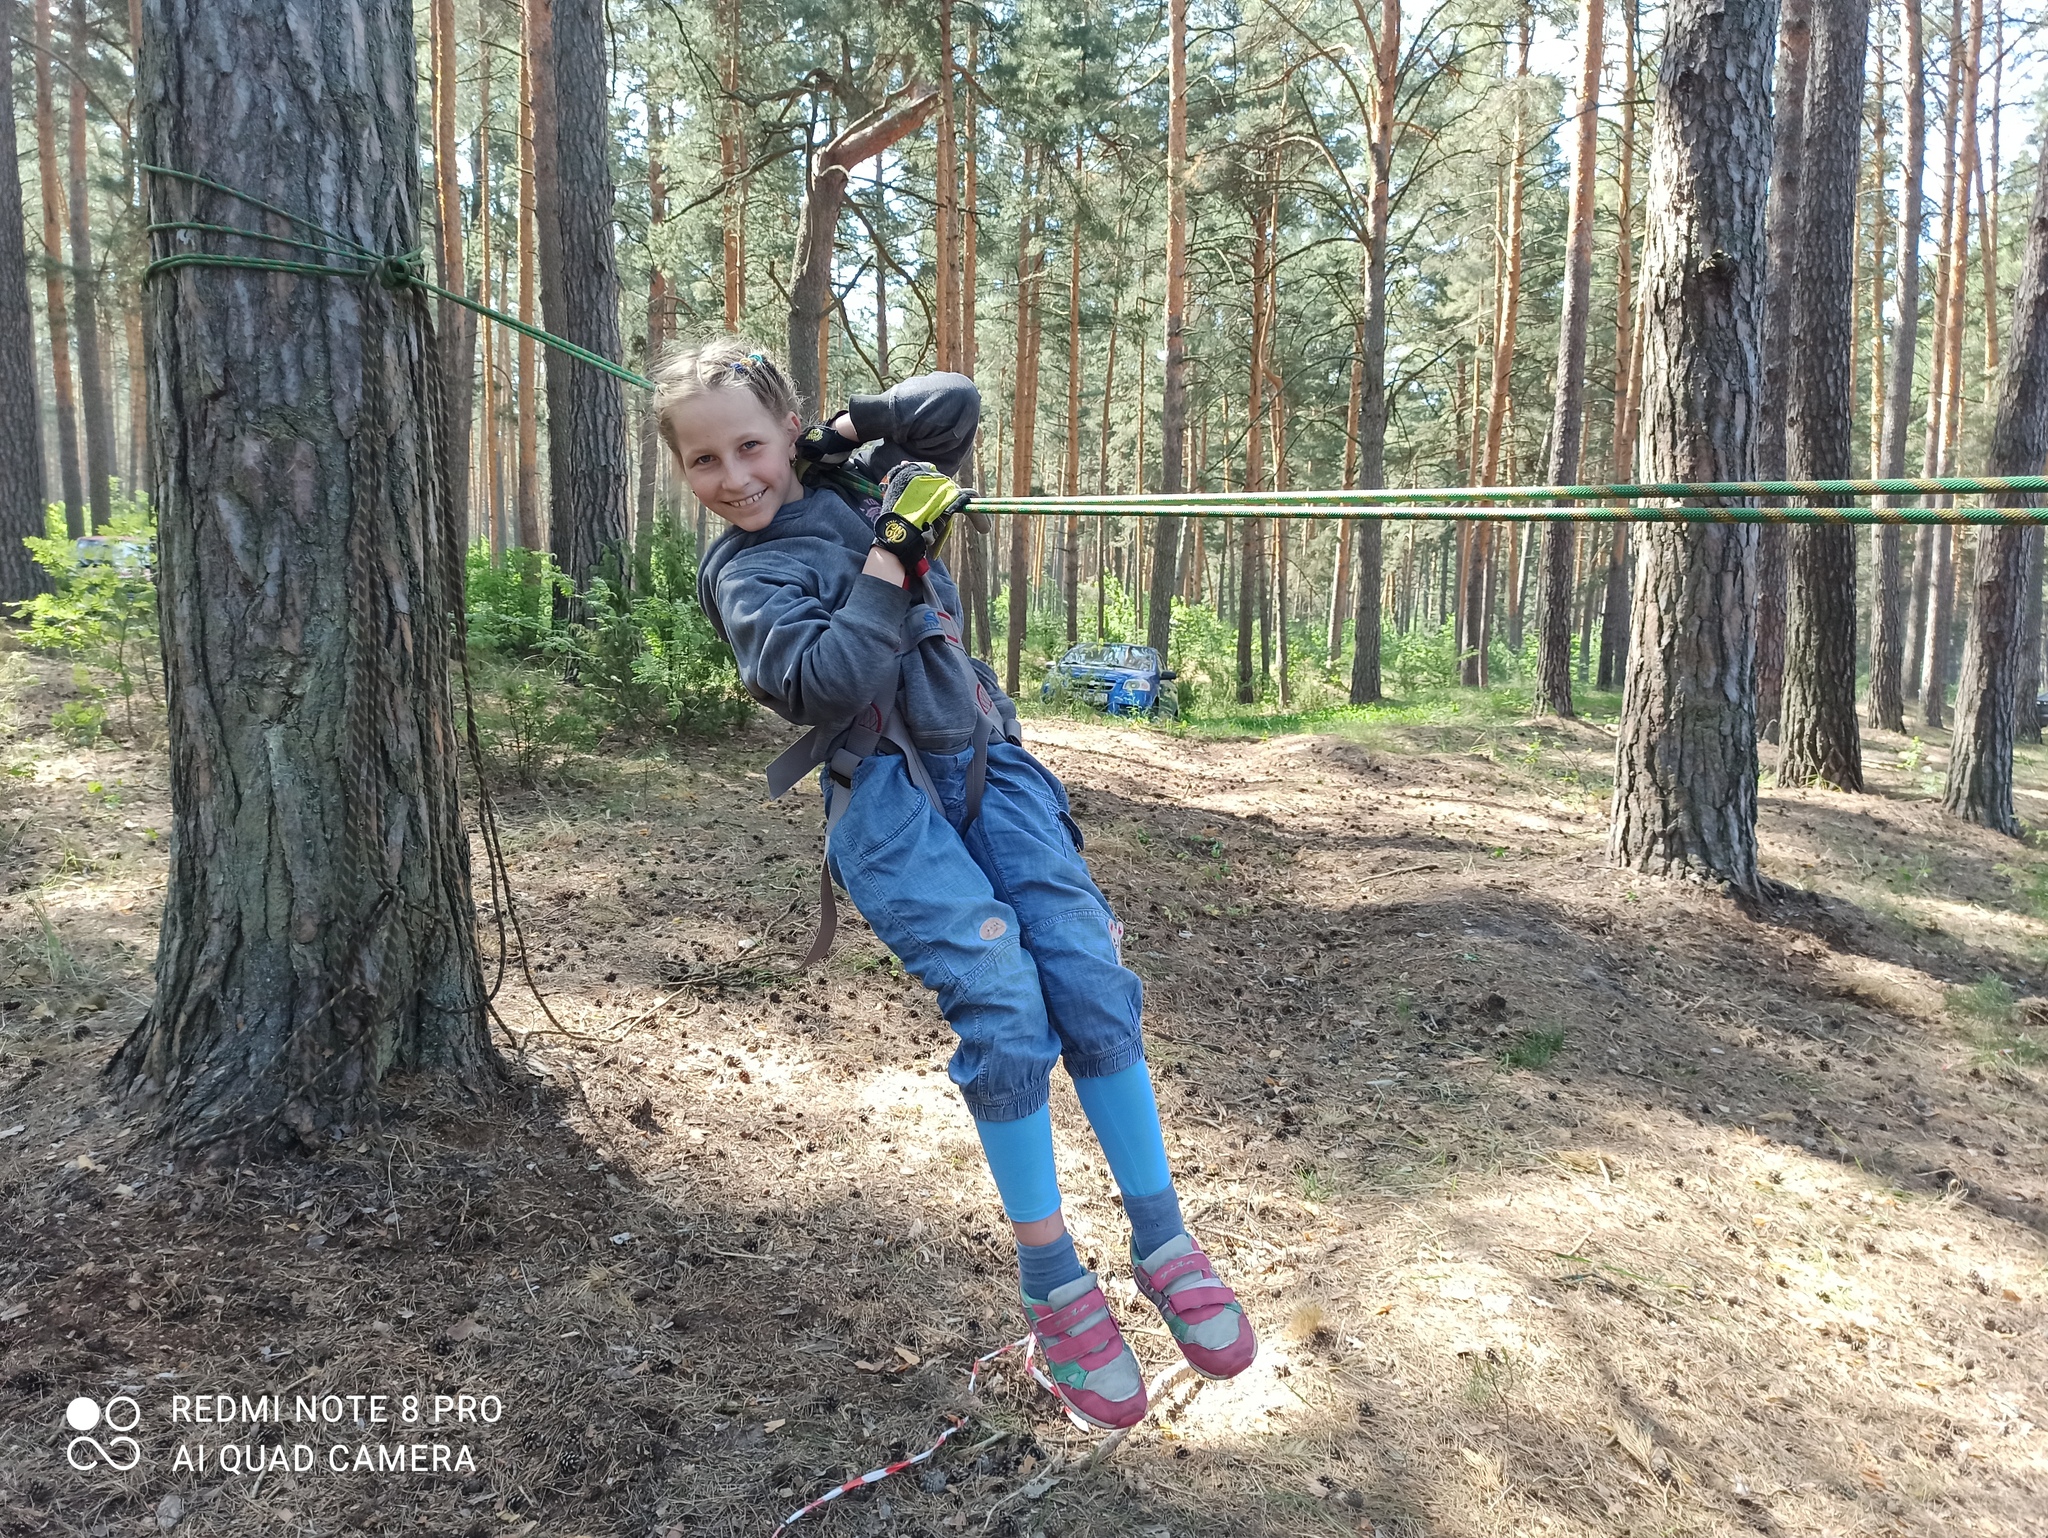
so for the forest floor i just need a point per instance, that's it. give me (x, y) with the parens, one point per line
(1565, 1202)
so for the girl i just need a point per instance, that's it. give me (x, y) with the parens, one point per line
(956, 845)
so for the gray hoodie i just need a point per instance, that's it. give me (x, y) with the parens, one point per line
(815, 638)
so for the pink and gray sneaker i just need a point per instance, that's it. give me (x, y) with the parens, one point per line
(1203, 1314)
(1093, 1371)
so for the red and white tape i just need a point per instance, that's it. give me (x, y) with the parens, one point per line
(1028, 1343)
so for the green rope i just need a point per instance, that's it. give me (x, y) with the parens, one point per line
(1499, 504)
(1229, 508)
(407, 270)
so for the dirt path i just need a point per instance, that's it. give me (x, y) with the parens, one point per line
(1566, 1203)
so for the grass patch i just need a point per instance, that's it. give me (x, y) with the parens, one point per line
(2002, 1032)
(1533, 1049)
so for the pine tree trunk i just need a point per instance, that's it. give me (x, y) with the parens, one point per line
(1340, 575)
(1989, 702)
(1553, 640)
(454, 325)
(1820, 734)
(946, 209)
(1627, 345)
(586, 413)
(1023, 430)
(318, 931)
(1173, 401)
(92, 385)
(23, 486)
(1366, 641)
(1250, 580)
(1685, 758)
(1788, 93)
(1940, 620)
(657, 320)
(1614, 613)
(1070, 535)
(56, 311)
(1889, 681)
(733, 225)
(527, 500)
(2029, 729)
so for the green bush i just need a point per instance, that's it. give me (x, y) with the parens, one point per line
(634, 660)
(101, 612)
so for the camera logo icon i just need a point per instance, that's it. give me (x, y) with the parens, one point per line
(85, 1415)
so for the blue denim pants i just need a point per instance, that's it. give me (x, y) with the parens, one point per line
(1003, 921)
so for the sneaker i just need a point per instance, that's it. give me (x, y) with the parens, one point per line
(1203, 1314)
(1093, 1371)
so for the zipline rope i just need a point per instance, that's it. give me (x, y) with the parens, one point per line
(1495, 504)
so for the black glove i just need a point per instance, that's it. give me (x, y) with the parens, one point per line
(918, 504)
(823, 445)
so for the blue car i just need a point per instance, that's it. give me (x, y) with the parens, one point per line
(1121, 679)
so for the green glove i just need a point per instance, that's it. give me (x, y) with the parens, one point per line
(918, 504)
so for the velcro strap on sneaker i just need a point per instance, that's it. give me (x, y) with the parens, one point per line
(1194, 1263)
(1070, 1316)
(1201, 1301)
(1084, 1343)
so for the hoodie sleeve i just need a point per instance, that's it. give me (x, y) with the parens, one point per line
(932, 417)
(811, 665)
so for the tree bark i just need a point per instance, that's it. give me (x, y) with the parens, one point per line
(318, 931)
(1366, 683)
(454, 325)
(1988, 700)
(92, 385)
(810, 281)
(1553, 640)
(70, 476)
(23, 485)
(1627, 346)
(527, 516)
(1173, 400)
(1685, 758)
(1941, 614)
(1614, 613)
(586, 413)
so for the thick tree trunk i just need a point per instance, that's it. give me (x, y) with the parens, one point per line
(92, 384)
(527, 500)
(454, 325)
(70, 475)
(586, 412)
(810, 280)
(1685, 758)
(318, 931)
(1988, 701)
(23, 486)
(1372, 356)
(1788, 155)
(1553, 641)
(1821, 744)
(1888, 682)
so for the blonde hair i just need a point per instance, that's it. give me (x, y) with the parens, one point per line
(720, 363)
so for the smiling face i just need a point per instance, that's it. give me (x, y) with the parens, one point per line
(736, 455)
